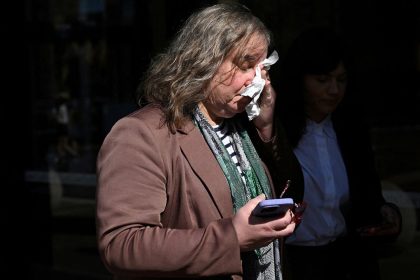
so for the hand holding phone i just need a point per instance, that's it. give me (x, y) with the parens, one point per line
(273, 207)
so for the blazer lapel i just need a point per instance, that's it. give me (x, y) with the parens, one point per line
(207, 168)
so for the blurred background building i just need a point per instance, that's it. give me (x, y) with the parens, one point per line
(71, 69)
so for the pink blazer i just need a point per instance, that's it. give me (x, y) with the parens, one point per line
(163, 203)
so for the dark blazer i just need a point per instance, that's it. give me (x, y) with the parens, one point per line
(164, 206)
(365, 194)
(364, 184)
(366, 197)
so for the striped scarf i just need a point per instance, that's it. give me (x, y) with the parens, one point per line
(263, 263)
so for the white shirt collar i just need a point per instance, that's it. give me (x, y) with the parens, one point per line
(324, 127)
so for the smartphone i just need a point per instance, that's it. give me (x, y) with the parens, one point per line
(273, 207)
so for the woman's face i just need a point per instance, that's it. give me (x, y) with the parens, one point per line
(323, 93)
(230, 80)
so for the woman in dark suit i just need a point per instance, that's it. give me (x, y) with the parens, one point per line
(345, 207)
(179, 178)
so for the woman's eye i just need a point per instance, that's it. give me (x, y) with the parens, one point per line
(322, 79)
(245, 67)
(342, 80)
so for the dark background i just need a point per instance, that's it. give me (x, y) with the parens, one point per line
(94, 52)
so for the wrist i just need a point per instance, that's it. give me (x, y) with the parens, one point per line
(266, 134)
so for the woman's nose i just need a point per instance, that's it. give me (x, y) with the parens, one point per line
(250, 77)
(248, 82)
(333, 89)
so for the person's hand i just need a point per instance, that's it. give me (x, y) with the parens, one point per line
(390, 226)
(267, 100)
(255, 232)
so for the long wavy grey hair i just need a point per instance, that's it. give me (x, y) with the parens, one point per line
(179, 78)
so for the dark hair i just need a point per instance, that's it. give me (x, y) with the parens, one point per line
(318, 50)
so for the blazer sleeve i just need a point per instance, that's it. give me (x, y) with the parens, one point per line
(364, 182)
(131, 197)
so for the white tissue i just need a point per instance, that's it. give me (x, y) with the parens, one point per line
(255, 88)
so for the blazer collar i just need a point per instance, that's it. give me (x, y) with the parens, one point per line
(204, 163)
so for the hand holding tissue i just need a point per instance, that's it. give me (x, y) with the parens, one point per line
(255, 88)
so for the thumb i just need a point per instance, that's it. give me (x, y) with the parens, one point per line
(257, 199)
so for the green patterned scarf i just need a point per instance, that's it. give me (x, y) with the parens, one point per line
(263, 263)
(255, 177)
